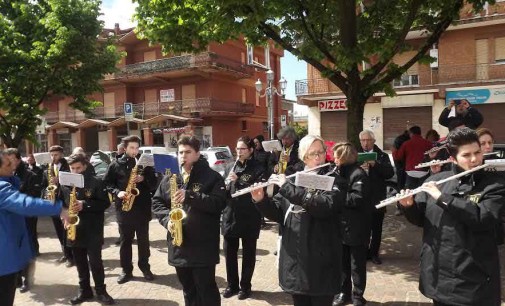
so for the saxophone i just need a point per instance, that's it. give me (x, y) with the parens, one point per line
(176, 215)
(131, 191)
(51, 188)
(281, 169)
(73, 218)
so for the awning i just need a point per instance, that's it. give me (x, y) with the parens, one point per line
(92, 122)
(121, 121)
(63, 125)
(163, 117)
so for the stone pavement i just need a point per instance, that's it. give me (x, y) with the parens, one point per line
(392, 283)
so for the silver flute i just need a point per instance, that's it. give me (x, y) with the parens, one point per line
(265, 184)
(412, 192)
(434, 162)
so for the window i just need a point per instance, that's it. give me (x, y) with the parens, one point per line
(499, 50)
(244, 95)
(407, 80)
(244, 125)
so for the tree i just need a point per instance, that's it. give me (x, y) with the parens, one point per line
(336, 37)
(48, 48)
(301, 131)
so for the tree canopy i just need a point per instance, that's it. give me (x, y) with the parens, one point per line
(336, 37)
(48, 48)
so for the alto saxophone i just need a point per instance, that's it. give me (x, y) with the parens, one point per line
(73, 218)
(131, 191)
(51, 188)
(176, 215)
(282, 165)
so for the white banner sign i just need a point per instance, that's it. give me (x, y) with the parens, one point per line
(332, 105)
(167, 95)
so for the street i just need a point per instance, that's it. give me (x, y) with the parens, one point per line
(392, 283)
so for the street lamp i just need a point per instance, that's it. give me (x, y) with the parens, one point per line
(269, 93)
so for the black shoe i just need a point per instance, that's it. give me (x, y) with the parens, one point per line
(124, 277)
(148, 275)
(358, 301)
(341, 299)
(62, 259)
(244, 294)
(229, 292)
(105, 298)
(81, 297)
(376, 260)
(70, 263)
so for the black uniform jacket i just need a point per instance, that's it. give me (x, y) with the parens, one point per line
(472, 119)
(357, 210)
(95, 202)
(116, 179)
(310, 256)
(293, 159)
(379, 174)
(241, 218)
(30, 184)
(459, 256)
(204, 201)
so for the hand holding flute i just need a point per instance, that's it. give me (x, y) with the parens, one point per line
(428, 187)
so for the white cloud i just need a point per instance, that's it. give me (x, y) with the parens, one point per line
(118, 11)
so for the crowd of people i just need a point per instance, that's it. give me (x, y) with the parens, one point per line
(326, 236)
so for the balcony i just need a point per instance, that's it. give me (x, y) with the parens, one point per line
(205, 62)
(196, 108)
(314, 86)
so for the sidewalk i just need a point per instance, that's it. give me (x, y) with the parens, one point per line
(394, 282)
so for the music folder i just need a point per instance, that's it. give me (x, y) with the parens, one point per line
(367, 156)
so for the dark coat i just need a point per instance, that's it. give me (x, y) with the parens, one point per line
(293, 158)
(204, 201)
(311, 249)
(38, 177)
(29, 184)
(473, 118)
(263, 158)
(357, 211)
(379, 174)
(116, 179)
(459, 256)
(241, 218)
(95, 202)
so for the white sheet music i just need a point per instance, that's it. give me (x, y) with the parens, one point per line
(146, 160)
(42, 158)
(271, 145)
(416, 174)
(314, 181)
(71, 179)
(452, 113)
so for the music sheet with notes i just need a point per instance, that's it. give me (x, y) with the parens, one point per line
(71, 179)
(314, 181)
(271, 145)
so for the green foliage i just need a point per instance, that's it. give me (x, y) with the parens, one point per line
(48, 48)
(301, 131)
(336, 37)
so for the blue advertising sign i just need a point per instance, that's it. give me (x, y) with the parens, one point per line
(474, 96)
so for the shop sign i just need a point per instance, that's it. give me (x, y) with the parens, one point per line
(167, 95)
(478, 95)
(332, 105)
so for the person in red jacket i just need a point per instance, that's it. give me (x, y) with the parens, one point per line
(412, 152)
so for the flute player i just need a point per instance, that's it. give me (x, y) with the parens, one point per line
(459, 256)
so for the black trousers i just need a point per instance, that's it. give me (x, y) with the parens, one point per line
(248, 261)
(413, 182)
(31, 225)
(62, 237)
(8, 289)
(28, 272)
(354, 267)
(128, 232)
(199, 286)
(86, 259)
(435, 303)
(376, 233)
(309, 300)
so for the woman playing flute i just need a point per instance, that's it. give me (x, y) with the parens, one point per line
(310, 252)
(459, 256)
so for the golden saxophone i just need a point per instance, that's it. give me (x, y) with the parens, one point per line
(73, 218)
(282, 165)
(176, 215)
(51, 188)
(131, 191)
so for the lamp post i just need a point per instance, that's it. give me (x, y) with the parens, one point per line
(269, 93)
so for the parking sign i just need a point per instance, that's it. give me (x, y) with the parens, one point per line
(128, 111)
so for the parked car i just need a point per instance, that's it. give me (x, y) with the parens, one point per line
(220, 159)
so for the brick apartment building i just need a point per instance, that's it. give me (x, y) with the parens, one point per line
(471, 65)
(211, 95)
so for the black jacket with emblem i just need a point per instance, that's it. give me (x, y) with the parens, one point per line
(116, 179)
(241, 218)
(459, 255)
(95, 202)
(204, 201)
(311, 249)
(357, 209)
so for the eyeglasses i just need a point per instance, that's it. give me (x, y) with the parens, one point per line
(366, 140)
(241, 149)
(314, 155)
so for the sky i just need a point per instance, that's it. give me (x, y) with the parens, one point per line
(121, 11)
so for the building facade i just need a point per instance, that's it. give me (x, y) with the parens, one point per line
(211, 95)
(471, 65)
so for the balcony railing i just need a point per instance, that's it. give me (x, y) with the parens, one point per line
(205, 60)
(445, 74)
(187, 108)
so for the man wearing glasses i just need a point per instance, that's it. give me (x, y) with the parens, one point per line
(378, 171)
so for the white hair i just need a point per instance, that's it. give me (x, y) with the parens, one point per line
(78, 150)
(305, 144)
(368, 132)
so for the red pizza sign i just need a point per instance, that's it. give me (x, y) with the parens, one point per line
(332, 105)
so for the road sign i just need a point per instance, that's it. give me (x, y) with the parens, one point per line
(128, 111)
